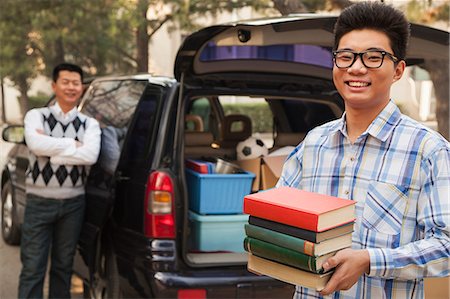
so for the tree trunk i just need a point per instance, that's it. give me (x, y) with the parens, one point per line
(23, 87)
(438, 70)
(286, 7)
(337, 4)
(142, 38)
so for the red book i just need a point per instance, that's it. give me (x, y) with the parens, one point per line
(197, 166)
(303, 209)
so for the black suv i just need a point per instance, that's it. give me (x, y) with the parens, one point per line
(138, 238)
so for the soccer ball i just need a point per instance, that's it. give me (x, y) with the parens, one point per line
(250, 148)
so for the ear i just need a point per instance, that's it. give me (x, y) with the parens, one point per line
(399, 69)
(53, 86)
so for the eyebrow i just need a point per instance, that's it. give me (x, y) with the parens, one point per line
(369, 49)
(68, 80)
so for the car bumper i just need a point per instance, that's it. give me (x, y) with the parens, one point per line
(219, 284)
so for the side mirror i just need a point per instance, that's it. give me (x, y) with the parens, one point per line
(14, 133)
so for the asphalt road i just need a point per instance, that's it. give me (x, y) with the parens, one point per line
(9, 270)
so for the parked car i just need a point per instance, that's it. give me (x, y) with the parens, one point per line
(140, 237)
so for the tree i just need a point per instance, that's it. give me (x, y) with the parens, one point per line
(36, 35)
(18, 60)
(102, 36)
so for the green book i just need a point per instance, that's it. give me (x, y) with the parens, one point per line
(285, 256)
(297, 244)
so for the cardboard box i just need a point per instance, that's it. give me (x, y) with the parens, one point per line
(437, 288)
(267, 170)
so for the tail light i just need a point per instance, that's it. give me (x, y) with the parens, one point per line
(191, 294)
(159, 219)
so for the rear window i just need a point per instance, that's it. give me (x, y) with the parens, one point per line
(298, 53)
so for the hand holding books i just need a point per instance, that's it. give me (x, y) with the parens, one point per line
(350, 264)
(291, 233)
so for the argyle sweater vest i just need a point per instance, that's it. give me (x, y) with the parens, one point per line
(57, 181)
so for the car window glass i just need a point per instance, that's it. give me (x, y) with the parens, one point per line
(143, 131)
(298, 53)
(113, 103)
(202, 108)
(256, 108)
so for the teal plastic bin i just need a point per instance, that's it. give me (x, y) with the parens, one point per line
(218, 193)
(217, 232)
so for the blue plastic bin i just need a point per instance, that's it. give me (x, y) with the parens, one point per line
(217, 232)
(218, 193)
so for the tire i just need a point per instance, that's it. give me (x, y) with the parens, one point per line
(10, 223)
(106, 280)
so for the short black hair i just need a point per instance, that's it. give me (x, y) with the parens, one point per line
(376, 16)
(66, 67)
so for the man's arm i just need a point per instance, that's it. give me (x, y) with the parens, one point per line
(87, 151)
(428, 256)
(292, 168)
(41, 144)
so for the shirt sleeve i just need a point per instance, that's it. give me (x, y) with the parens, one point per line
(291, 173)
(41, 144)
(87, 153)
(429, 255)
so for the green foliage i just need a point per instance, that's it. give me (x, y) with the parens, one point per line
(259, 113)
(443, 12)
(39, 100)
(187, 12)
(426, 12)
(102, 36)
(17, 58)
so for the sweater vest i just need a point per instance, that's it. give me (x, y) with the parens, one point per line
(57, 181)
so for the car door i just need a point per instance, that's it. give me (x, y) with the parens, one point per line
(112, 102)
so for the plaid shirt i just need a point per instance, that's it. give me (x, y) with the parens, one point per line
(398, 172)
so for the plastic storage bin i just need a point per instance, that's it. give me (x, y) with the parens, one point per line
(218, 193)
(217, 232)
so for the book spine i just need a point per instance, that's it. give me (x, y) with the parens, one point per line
(280, 214)
(282, 255)
(280, 239)
(284, 229)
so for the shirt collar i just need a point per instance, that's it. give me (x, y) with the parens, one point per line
(58, 111)
(380, 128)
(385, 122)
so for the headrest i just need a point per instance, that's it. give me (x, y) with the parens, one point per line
(194, 122)
(236, 127)
(198, 138)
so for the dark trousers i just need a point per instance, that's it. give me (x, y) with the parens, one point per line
(49, 224)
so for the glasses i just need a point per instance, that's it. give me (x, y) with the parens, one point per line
(371, 59)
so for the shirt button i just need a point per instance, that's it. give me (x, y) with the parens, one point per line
(352, 159)
(346, 192)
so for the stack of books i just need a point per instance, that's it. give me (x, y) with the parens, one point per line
(291, 233)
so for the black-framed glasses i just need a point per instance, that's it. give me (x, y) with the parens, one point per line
(371, 59)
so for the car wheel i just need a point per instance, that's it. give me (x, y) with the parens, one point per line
(10, 225)
(106, 280)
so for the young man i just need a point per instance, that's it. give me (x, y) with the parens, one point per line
(395, 169)
(62, 142)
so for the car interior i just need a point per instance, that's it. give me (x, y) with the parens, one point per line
(214, 127)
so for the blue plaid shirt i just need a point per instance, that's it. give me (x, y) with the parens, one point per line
(398, 172)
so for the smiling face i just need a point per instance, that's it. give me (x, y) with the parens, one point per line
(360, 87)
(68, 89)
